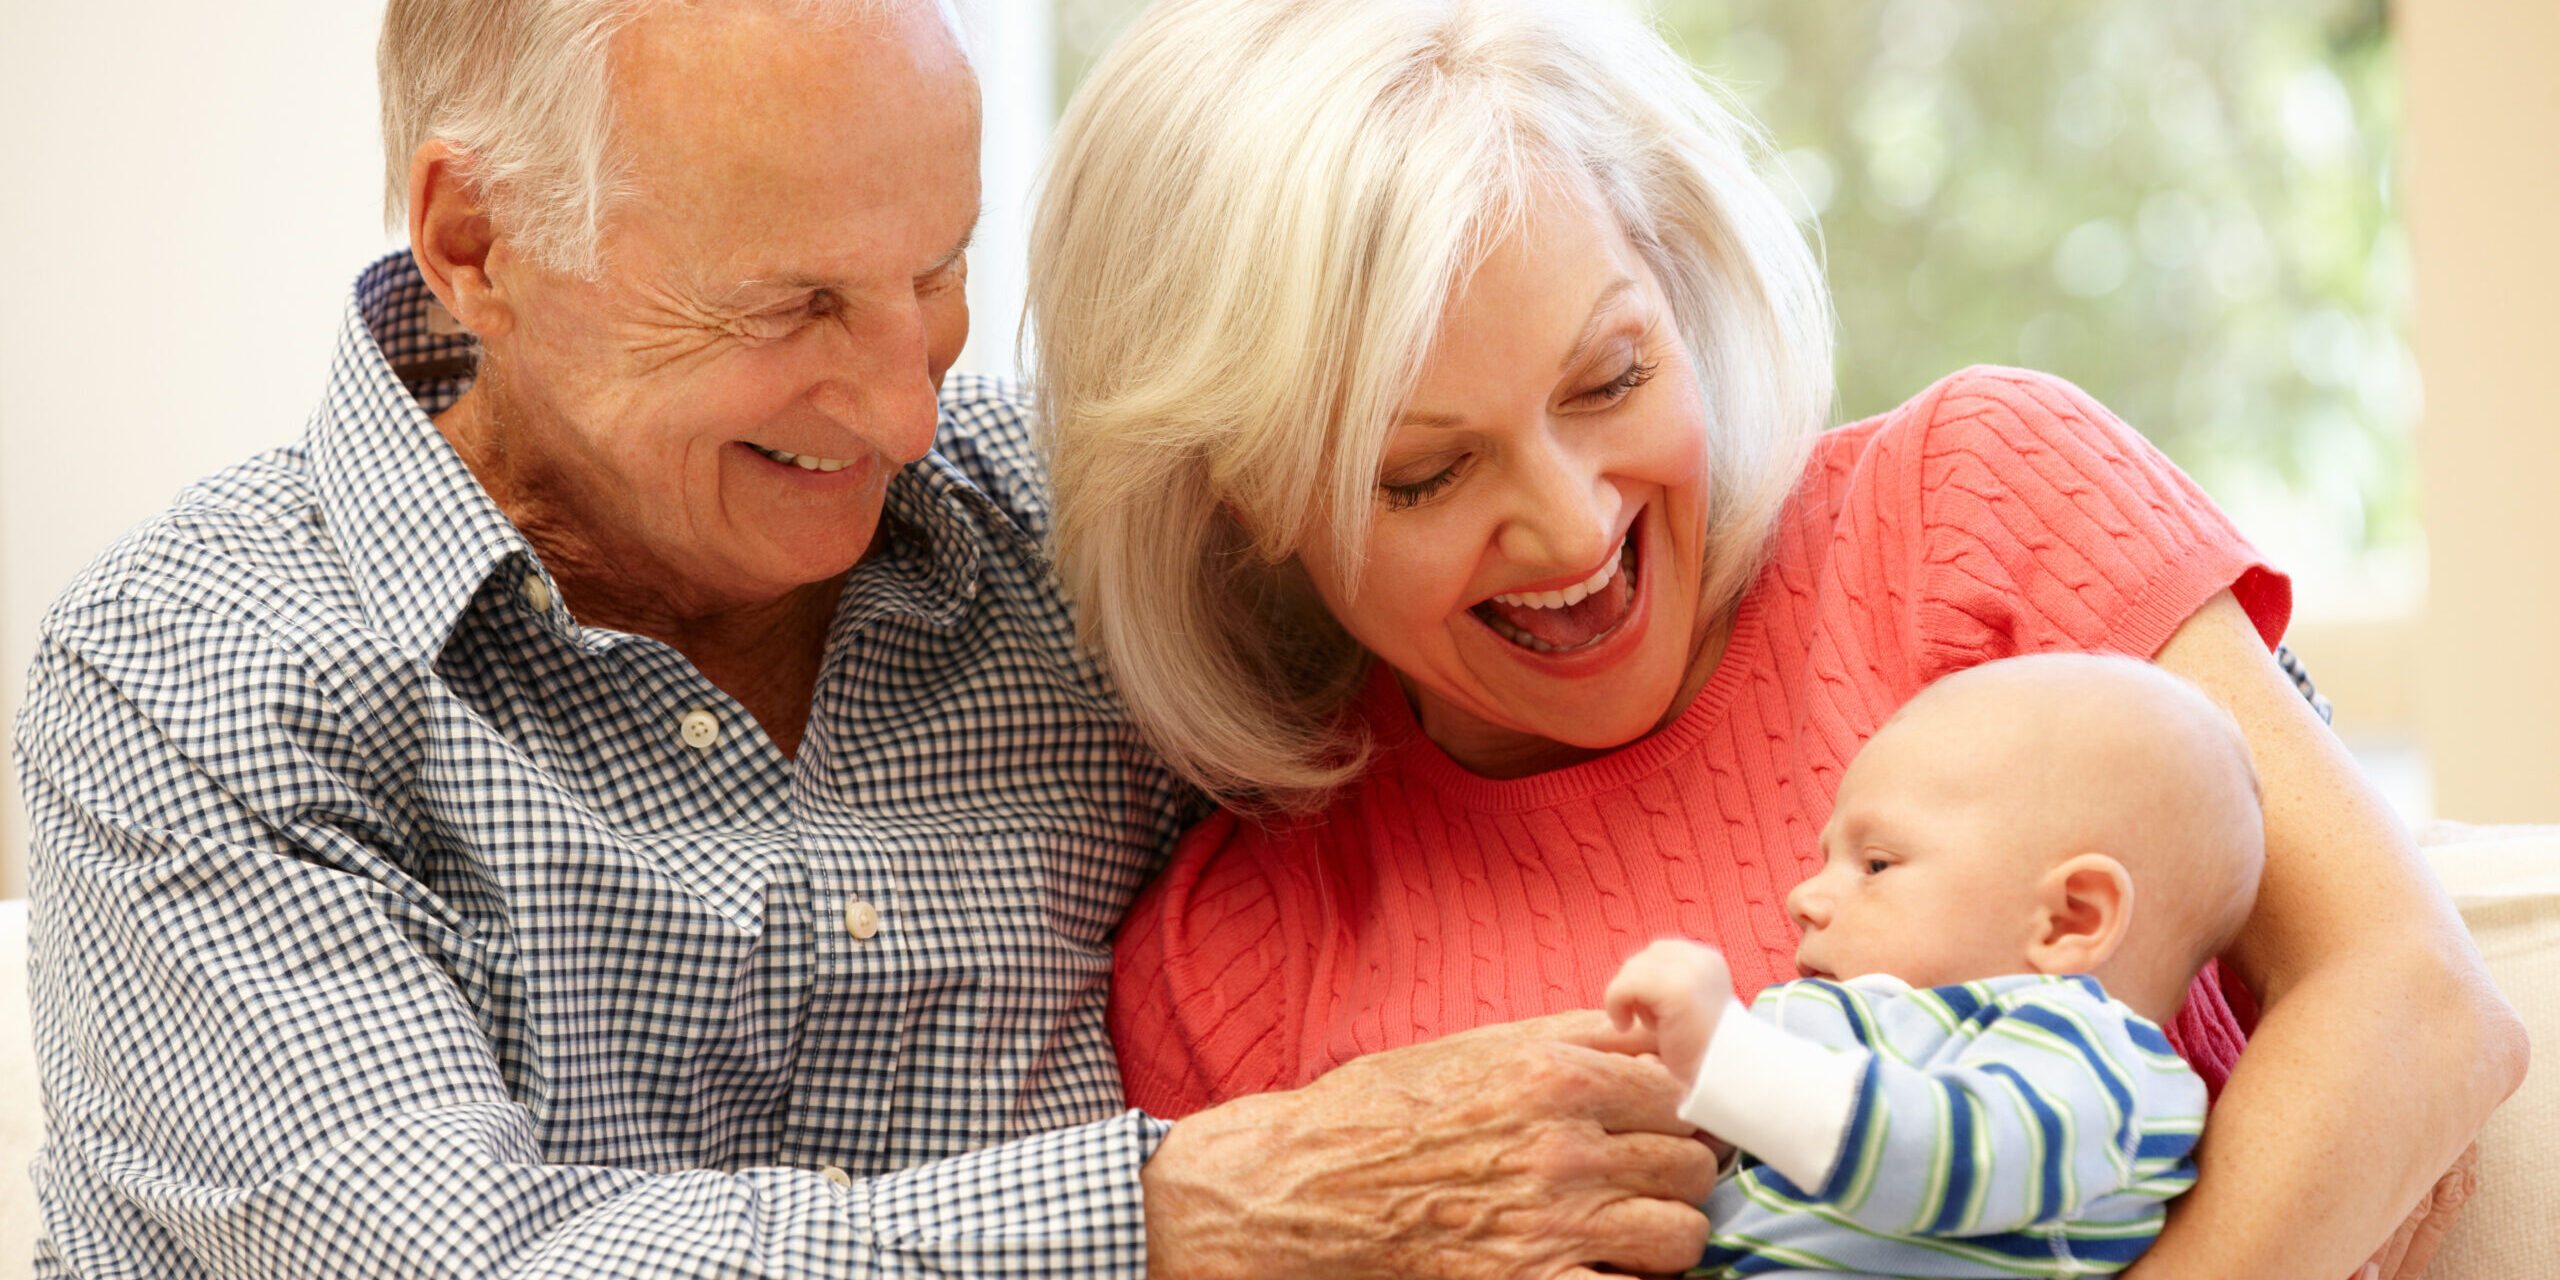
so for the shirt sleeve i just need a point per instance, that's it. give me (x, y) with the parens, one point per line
(261, 1056)
(1203, 975)
(2047, 523)
(2052, 1110)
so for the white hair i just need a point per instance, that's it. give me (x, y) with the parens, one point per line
(525, 89)
(1256, 215)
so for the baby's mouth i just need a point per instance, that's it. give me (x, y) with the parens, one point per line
(1575, 618)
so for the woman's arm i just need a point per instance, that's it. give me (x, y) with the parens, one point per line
(2383, 1045)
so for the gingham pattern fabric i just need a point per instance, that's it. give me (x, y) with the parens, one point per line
(388, 922)
(2019, 1126)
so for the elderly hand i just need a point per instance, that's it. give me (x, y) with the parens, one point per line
(1533, 1149)
(2406, 1255)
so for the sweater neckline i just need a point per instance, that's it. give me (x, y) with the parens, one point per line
(1401, 736)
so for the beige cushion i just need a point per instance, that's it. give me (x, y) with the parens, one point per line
(2506, 883)
(21, 1118)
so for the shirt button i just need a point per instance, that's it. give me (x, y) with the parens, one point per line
(836, 1176)
(861, 919)
(699, 729)
(537, 593)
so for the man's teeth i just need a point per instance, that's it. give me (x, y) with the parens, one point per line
(801, 460)
(1570, 596)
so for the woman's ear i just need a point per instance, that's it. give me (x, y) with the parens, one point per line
(452, 238)
(2084, 906)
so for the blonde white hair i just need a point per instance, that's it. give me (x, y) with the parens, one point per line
(525, 89)
(1256, 215)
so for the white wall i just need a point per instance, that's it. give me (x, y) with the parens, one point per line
(2483, 179)
(189, 189)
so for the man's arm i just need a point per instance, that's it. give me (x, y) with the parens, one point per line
(258, 1062)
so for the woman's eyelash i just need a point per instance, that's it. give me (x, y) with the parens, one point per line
(1400, 496)
(1616, 389)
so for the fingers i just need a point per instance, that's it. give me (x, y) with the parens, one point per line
(1655, 1166)
(2436, 1215)
(2413, 1245)
(1618, 1093)
(1650, 1237)
(1587, 1028)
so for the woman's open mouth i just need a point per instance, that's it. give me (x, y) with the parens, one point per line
(1575, 618)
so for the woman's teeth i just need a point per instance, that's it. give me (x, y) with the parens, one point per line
(801, 460)
(1570, 596)
(1572, 619)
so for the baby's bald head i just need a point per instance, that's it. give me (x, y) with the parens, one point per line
(2098, 754)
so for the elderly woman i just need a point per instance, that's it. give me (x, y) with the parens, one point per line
(1436, 394)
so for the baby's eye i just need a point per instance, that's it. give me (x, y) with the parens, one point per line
(1876, 866)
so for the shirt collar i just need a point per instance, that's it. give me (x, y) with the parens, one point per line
(421, 537)
(415, 529)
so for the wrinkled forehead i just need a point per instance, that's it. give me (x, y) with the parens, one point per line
(763, 146)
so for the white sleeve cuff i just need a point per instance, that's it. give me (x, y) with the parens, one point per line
(1786, 1100)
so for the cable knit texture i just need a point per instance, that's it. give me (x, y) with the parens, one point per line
(2000, 512)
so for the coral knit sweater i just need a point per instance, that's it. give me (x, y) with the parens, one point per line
(1998, 513)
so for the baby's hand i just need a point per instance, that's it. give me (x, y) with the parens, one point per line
(1676, 989)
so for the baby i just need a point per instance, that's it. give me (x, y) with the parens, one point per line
(2023, 871)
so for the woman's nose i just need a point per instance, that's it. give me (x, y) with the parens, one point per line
(1565, 512)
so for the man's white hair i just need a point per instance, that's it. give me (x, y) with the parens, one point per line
(525, 88)
(1256, 215)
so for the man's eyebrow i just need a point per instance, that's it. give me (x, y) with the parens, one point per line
(966, 237)
(737, 291)
(1616, 289)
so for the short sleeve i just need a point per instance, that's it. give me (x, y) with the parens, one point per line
(2047, 523)
(1202, 1008)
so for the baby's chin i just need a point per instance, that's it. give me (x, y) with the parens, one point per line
(1805, 970)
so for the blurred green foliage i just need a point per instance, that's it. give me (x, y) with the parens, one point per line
(2185, 206)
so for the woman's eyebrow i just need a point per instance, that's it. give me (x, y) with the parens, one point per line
(1609, 295)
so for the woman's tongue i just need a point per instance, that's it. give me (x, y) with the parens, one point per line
(1570, 627)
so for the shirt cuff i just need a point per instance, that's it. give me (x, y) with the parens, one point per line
(1787, 1101)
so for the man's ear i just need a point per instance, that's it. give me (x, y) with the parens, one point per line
(2084, 905)
(453, 240)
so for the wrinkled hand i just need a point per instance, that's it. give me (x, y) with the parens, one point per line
(2414, 1245)
(1675, 990)
(1535, 1149)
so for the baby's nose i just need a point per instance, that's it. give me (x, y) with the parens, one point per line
(1805, 905)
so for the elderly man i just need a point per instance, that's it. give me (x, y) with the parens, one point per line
(614, 799)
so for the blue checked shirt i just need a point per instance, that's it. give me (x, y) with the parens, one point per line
(389, 922)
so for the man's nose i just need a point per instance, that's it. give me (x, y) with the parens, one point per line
(1565, 511)
(878, 381)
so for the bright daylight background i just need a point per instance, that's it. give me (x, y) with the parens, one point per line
(2300, 243)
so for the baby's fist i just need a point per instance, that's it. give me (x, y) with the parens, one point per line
(1677, 989)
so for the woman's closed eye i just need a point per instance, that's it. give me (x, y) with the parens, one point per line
(1618, 388)
(1401, 493)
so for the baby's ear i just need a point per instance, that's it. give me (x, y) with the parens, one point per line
(2084, 906)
